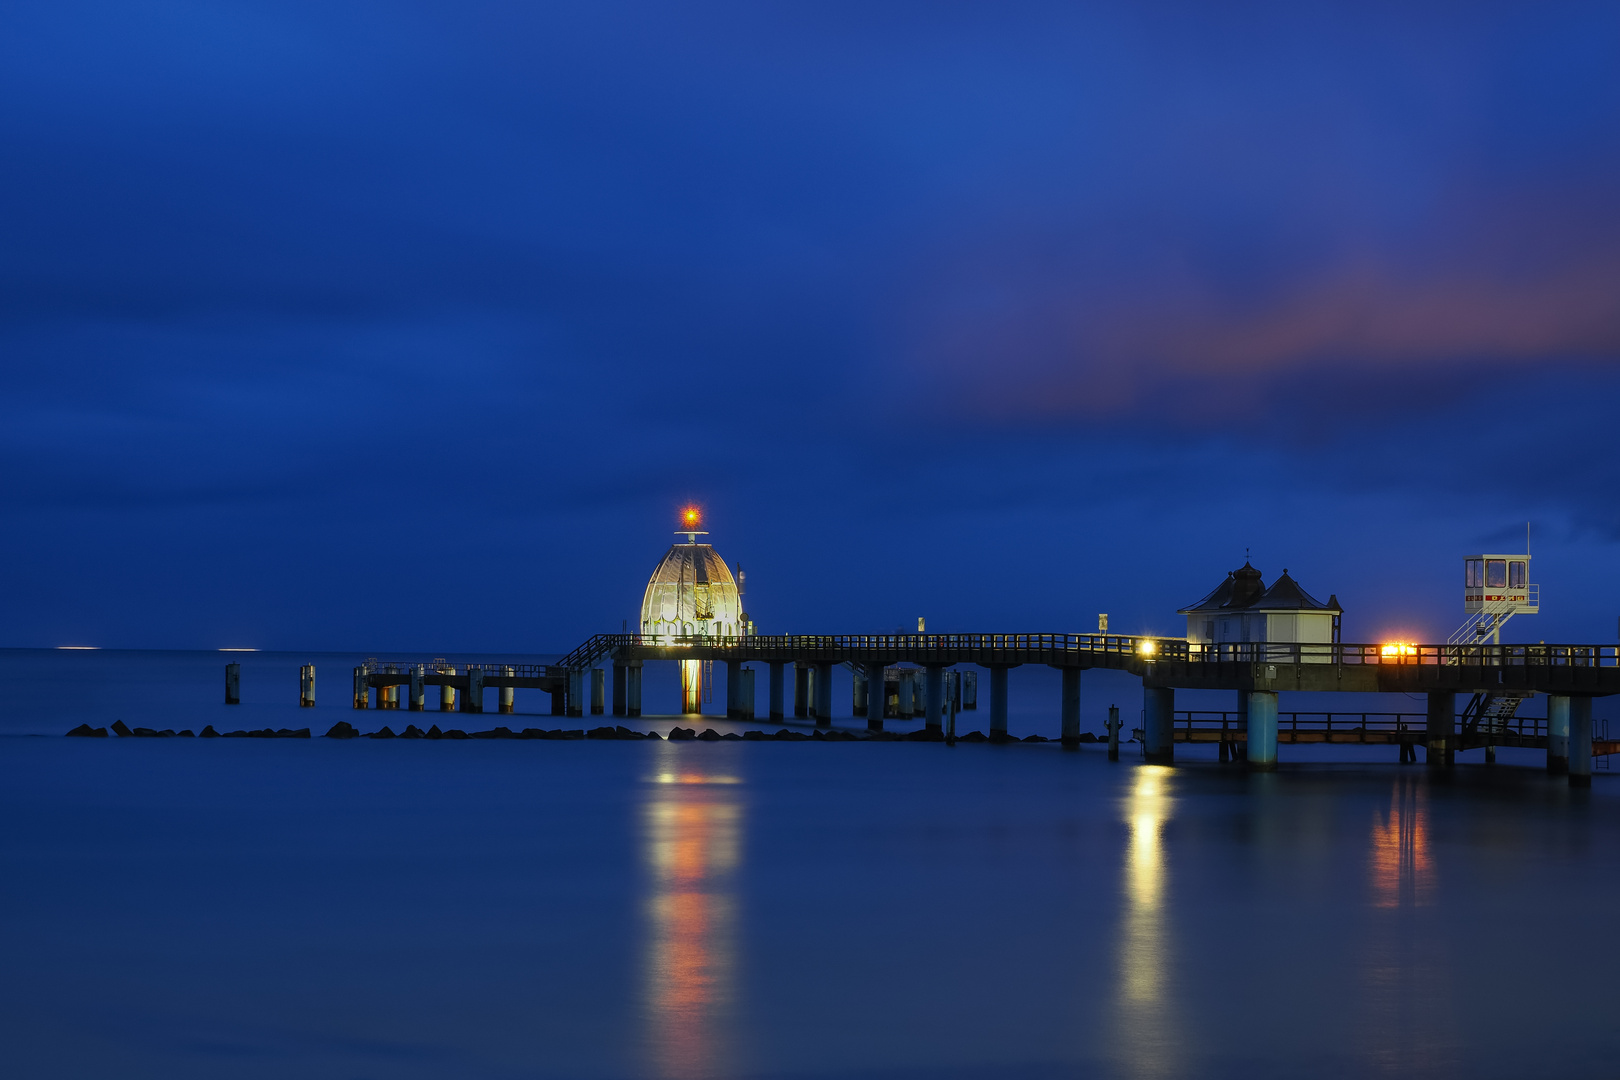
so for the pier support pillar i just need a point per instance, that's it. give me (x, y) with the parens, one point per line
(875, 701)
(1441, 734)
(598, 679)
(508, 695)
(734, 679)
(576, 691)
(618, 689)
(559, 701)
(632, 688)
(447, 698)
(776, 691)
(1557, 734)
(801, 690)
(998, 703)
(1262, 724)
(418, 689)
(233, 684)
(1071, 708)
(861, 695)
(1159, 724)
(745, 699)
(1580, 742)
(934, 697)
(362, 689)
(970, 690)
(306, 686)
(472, 701)
(1113, 732)
(823, 695)
(906, 692)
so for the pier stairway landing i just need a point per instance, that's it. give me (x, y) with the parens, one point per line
(1490, 714)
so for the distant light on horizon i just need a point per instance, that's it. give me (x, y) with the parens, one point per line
(79, 647)
(239, 650)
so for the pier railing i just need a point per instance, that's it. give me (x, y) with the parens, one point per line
(1345, 723)
(1038, 648)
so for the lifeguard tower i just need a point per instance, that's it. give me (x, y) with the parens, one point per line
(1495, 588)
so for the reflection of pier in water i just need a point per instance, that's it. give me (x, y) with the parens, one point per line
(1147, 1042)
(692, 830)
(1406, 966)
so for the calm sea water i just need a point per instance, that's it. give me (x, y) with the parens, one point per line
(248, 908)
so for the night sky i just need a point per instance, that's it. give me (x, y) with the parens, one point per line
(410, 326)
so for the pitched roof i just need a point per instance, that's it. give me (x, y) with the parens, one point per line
(1240, 589)
(1286, 595)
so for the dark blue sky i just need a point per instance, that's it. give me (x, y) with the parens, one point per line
(408, 326)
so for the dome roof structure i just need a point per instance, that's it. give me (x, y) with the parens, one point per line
(692, 594)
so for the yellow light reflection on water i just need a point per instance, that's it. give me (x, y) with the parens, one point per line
(1148, 1042)
(693, 843)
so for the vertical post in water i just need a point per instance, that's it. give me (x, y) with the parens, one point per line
(775, 691)
(473, 700)
(233, 684)
(970, 690)
(1071, 708)
(858, 706)
(598, 683)
(1262, 726)
(823, 695)
(447, 693)
(508, 694)
(733, 689)
(801, 690)
(905, 708)
(632, 688)
(362, 692)
(418, 688)
(1159, 724)
(1441, 734)
(998, 703)
(933, 696)
(1113, 733)
(875, 700)
(1557, 734)
(746, 704)
(576, 691)
(618, 688)
(306, 686)
(1580, 742)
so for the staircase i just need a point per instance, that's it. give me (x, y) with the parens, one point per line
(1490, 714)
(1492, 614)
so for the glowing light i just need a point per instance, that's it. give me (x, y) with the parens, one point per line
(1148, 647)
(239, 650)
(692, 516)
(87, 647)
(694, 778)
(1398, 648)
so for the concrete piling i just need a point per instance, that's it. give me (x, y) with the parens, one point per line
(904, 709)
(1557, 734)
(823, 695)
(418, 689)
(447, 693)
(1113, 733)
(970, 690)
(598, 685)
(1070, 732)
(1159, 724)
(388, 696)
(874, 705)
(998, 703)
(362, 690)
(745, 703)
(776, 691)
(1580, 742)
(933, 696)
(306, 686)
(233, 684)
(508, 695)
(618, 688)
(473, 700)
(576, 692)
(1262, 724)
(1440, 735)
(632, 688)
(801, 690)
(733, 689)
(861, 694)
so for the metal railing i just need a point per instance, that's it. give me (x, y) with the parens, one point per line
(458, 667)
(1343, 722)
(1145, 648)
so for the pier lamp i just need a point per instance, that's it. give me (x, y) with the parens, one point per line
(1147, 648)
(1398, 648)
